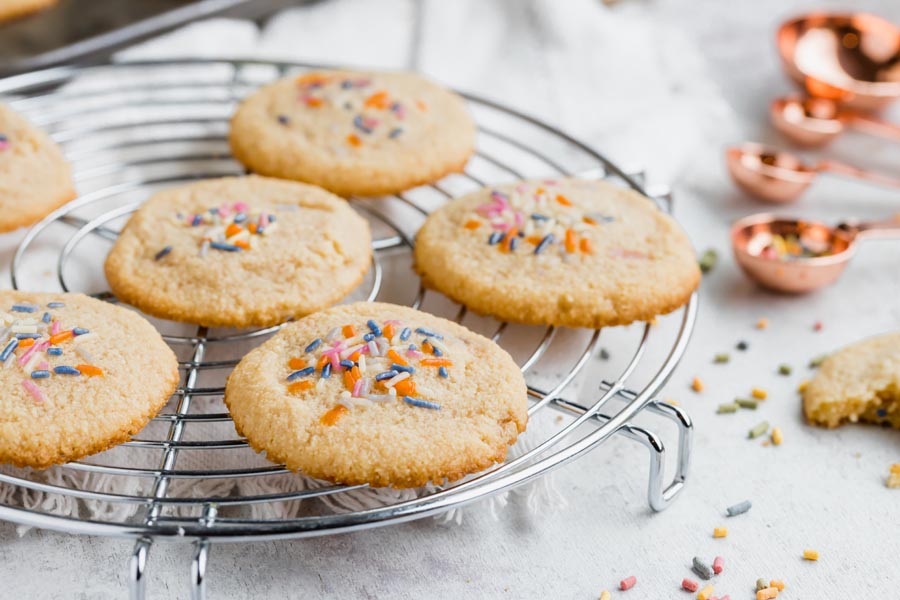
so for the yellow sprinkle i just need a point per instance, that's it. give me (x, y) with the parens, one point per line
(706, 593)
(604, 595)
(777, 583)
(777, 438)
(697, 385)
(720, 532)
(893, 480)
(759, 393)
(762, 323)
(803, 385)
(810, 554)
(672, 401)
(767, 594)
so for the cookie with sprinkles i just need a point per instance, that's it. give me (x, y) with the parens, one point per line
(16, 9)
(362, 133)
(567, 252)
(380, 394)
(35, 179)
(79, 376)
(239, 252)
(860, 382)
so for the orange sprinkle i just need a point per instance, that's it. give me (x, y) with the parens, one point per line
(563, 200)
(312, 102)
(534, 239)
(407, 387)
(395, 356)
(377, 100)
(25, 343)
(354, 141)
(421, 104)
(571, 246)
(539, 191)
(436, 362)
(252, 227)
(242, 244)
(323, 360)
(233, 229)
(697, 384)
(348, 381)
(312, 79)
(356, 374)
(90, 370)
(59, 337)
(348, 331)
(589, 220)
(587, 246)
(300, 386)
(355, 356)
(428, 348)
(297, 364)
(388, 331)
(334, 415)
(472, 224)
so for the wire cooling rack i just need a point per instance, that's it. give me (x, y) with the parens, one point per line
(132, 129)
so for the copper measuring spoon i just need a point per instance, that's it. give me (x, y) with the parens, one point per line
(817, 121)
(753, 235)
(778, 176)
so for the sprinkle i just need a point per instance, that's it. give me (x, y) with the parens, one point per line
(397, 378)
(777, 436)
(697, 385)
(810, 554)
(513, 243)
(746, 403)
(727, 408)
(26, 308)
(762, 323)
(442, 372)
(385, 375)
(721, 358)
(759, 393)
(545, 241)
(767, 594)
(40, 374)
(604, 595)
(801, 387)
(738, 509)
(395, 132)
(495, 238)
(83, 337)
(817, 326)
(283, 119)
(689, 585)
(421, 403)
(604, 354)
(701, 568)
(90, 370)
(893, 478)
(297, 363)
(758, 430)
(34, 390)
(25, 343)
(61, 336)
(402, 368)
(368, 337)
(28, 336)
(56, 305)
(8, 350)
(313, 345)
(761, 584)
(705, 593)
(777, 583)
(66, 370)
(742, 345)
(563, 200)
(436, 362)
(80, 331)
(429, 333)
(628, 582)
(570, 241)
(404, 335)
(80, 351)
(406, 387)
(46, 318)
(326, 370)
(373, 327)
(162, 253)
(817, 361)
(301, 373)
(347, 364)
(784, 369)
(720, 532)
(708, 260)
(718, 565)
(333, 415)
(354, 140)
(225, 247)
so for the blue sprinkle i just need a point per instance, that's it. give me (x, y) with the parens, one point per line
(3, 137)
(540, 217)
(429, 333)
(421, 403)
(358, 123)
(374, 328)
(42, 374)
(369, 337)
(385, 375)
(313, 345)
(272, 218)
(436, 351)
(404, 335)
(283, 119)
(301, 373)
(260, 230)
(213, 211)
(240, 217)
(496, 238)
(226, 247)
(26, 308)
(46, 317)
(403, 368)
(521, 234)
(28, 336)
(55, 305)
(66, 370)
(513, 243)
(12, 345)
(80, 331)
(395, 132)
(548, 239)
(162, 252)
(412, 347)
(347, 364)
(346, 84)
(443, 372)
(326, 371)
(54, 351)
(197, 220)
(882, 412)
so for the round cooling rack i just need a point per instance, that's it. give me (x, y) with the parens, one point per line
(134, 128)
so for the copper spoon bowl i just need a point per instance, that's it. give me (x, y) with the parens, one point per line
(817, 121)
(851, 58)
(751, 235)
(777, 176)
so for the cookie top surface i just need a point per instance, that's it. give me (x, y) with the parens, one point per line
(239, 252)
(380, 394)
(35, 179)
(860, 382)
(79, 376)
(566, 252)
(354, 132)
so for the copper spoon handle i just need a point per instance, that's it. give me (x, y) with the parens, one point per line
(851, 171)
(888, 228)
(874, 126)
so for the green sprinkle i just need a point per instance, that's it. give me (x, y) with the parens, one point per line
(742, 345)
(604, 354)
(721, 358)
(759, 430)
(708, 260)
(817, 361)
(746, 403)
(727, 408)
(784, 369)
(761, 584)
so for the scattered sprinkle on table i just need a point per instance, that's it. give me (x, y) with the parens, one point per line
(627, 583)
(746, 403)
(817, 326)
(759, 430)
(689, 584)
(721, 358)
(605, 595)
(604, 354)
(816, 362)
(761, 584)
(759, 393)
(784, 369)
(730, 407)
(718, 565)
(699, 566)
(893, 479)
(778, 584)
(697, 384)
(708, 260)
(706, 593)
(767, 594)
(739, 508)
(803, 385)
(762, 323)
(720, 532)
(742, 345)
(777, 436)
(810, 554)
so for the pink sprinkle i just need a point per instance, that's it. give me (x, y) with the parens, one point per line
(33, 390)
(521, 188)
(718, 565)
(689, 585)
(357, 387)
(4, 144)
(500, 226)
(414, 354)
(817, 326)
(263, 220)
(224, 211)
(240, 206)
(627, 583)
(519, 219)
(393, 322)
(400, 111)
(55, 327)
(39, 347)
(43, 366)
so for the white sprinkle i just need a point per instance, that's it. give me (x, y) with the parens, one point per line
(438, 344)
(364, 387)
(390, 383)
(80, 351)
(392, 391)
(24, 328)
(80, 339)
(350, 351)
(362, 363)
(32, 362)
(345, 394)
(373, 349)
(204, 248)
(320, 384)
(382, 346)
(333, 334)
(345, 403)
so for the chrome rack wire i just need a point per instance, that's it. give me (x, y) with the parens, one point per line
(130, 129)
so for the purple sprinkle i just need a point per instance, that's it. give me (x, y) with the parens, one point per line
(162, 252)
(395, 133)
(548, 239)
(283, 119)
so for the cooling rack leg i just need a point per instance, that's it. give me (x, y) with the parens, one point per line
(661, 496)
(137, 585)
(198, 570)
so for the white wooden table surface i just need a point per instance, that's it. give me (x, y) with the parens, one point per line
(666, 84)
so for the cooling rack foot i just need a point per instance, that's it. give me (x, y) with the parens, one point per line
(198, 570)
(137, 584)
